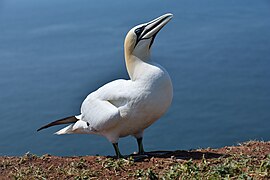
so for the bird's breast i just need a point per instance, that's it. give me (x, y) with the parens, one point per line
(158, 94)
(153, 98)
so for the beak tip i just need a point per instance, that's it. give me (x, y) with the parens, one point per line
(169, 15)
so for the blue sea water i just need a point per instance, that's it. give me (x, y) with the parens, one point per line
(54, 53)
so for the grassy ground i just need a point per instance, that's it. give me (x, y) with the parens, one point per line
(250, 160)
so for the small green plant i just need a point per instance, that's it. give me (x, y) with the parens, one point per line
(27, 172)
(79, 165)
(113, 164)
(145, 174)
(265, 167)
(117, 164)
(185, 170)
(5, 164)
(151, 174)
(86, 174)
(139, 173)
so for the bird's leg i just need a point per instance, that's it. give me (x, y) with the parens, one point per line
(141, 154)
(140, 146)
(117, 152)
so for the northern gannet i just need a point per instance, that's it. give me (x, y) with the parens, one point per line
(127, 107)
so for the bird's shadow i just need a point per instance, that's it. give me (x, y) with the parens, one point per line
(178, 154)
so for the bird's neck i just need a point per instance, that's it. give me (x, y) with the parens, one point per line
(137, 66)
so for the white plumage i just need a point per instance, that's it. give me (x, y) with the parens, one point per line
(127, 107)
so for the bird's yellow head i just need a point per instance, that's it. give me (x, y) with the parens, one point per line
(140, 38)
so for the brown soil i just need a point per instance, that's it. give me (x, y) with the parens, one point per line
(30, 166)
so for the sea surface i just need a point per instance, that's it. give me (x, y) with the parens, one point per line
(54, 53)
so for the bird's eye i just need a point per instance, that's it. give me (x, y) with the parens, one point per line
(139, 30)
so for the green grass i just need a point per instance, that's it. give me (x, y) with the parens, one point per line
(234, 166)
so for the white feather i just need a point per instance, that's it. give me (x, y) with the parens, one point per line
(126, 107)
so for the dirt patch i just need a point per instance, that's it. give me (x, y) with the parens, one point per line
(247, 160)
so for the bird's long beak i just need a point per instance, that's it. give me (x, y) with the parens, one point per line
(153, 27)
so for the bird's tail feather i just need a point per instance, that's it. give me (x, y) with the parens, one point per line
(66, 130)
(67, 120)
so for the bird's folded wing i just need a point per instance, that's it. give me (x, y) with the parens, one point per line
(101, 108)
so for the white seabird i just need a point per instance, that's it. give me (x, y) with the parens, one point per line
(127, 107)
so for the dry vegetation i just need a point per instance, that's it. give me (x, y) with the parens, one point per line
(250, 160)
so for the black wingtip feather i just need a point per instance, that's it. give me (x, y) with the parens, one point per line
(67, 120)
